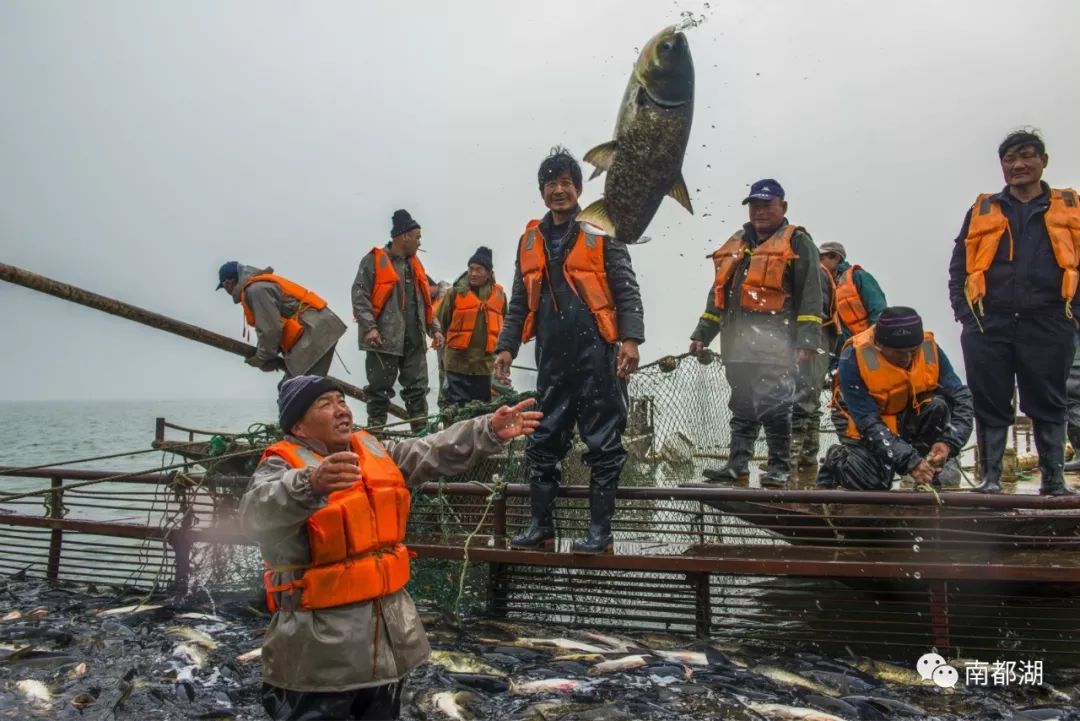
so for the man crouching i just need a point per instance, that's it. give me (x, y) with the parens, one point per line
(328, 507)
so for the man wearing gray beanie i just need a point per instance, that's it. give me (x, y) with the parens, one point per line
(902, 410)
(328, 507)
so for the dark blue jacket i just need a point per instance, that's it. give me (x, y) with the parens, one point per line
(889, 447)
(1028, 284)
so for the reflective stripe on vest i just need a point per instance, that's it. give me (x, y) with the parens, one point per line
(387, 278)
(988, 224)
(894, 389)
(356, 539)
(763, 287)
(466, 316)
(584, 271)
(849, 305)
(291, 328)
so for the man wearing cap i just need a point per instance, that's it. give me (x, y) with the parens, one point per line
(328, 507)
(765, 304)
(857, 299)
(392, 305)
(288, 319)
(575, 292)
(472, 314)
(906, 410)
(1012, 283)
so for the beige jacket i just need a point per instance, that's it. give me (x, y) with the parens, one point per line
(361, 644)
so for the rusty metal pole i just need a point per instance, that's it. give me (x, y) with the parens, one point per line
(56, 535)
(159, 429)
(702, 604)
(939, 616)
(62, 290)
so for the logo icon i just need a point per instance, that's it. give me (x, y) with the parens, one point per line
(932, 667)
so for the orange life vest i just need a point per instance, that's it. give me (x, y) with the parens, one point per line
(763, 288)
(833, 319)
(291, 328)
(387, 278)
(584, 271)
(988, 224)
(894, 389)
(848, 303)
(467, 310)
(357, 549)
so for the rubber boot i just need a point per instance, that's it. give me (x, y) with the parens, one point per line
(540, 533)
(598, 538)
(1050, 443)
(778, 469)
(738, 464)
(418, 414)
(807, 454)
(991, 443)
(1074, 438)
(829, 473)
(799, 429)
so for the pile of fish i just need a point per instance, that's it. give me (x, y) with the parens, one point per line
(80, 652)
(500, 670)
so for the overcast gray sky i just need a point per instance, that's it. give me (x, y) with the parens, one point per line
(143, 144)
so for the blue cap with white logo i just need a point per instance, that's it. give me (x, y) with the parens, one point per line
(766, 189)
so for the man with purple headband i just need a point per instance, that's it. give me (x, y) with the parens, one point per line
(903, 409)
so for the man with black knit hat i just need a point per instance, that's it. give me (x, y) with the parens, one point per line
(905, 408)
(472, 315)
(328, 507)
(1012, 283)
(575, 292)
(392, 305)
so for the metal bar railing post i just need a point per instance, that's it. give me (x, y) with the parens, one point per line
(56, 535)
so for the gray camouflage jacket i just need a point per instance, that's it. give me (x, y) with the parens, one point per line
(392, 320)
(322, 328)
(362, 644)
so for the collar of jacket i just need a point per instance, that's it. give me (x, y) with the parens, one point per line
(461, 285)
(547, 222)
(750, 235)
(1006, 198)
(310, 444)
(242, 274)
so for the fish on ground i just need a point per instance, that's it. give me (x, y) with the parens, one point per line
(690, 658)
(624, 663)
(787, 678)
(565, 644)
(482, 682)
(34, 692)
(193, 635)
(891, 673)
(249, 656)
(457, 662)
(549, 685)
(124, 610)
(617, 645)
(792, 713)
(644, 159)
(456, 705)
(887, 706)
(193, 653)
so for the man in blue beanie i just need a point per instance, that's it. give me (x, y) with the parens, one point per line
(288, 319)
(328, 507)
(472, 314)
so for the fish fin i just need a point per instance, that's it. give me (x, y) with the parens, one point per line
(596, 214)
(601, 156)
(681, 194)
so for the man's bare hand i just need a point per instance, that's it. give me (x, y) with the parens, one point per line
(502, 366)
(437, 341)
(373, 339)
(804, 355)
(509, 422)
(696, 346)
(923, 473)
(337, 472)
(628, 359)
(939, 453)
